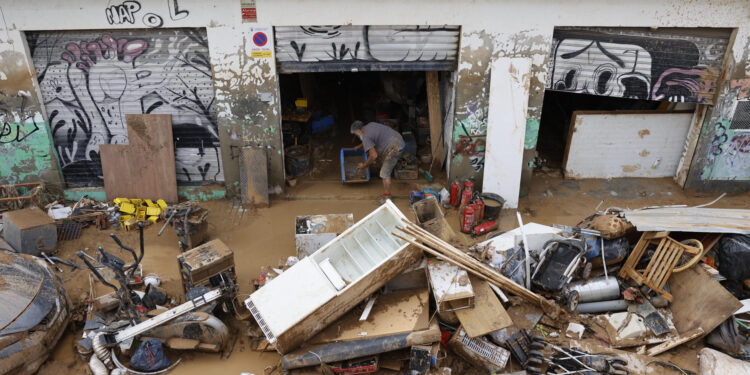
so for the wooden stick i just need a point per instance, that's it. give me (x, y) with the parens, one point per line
(455, 257)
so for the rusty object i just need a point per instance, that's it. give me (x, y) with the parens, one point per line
(189, 222)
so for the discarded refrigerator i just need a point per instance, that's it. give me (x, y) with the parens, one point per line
(322, 287)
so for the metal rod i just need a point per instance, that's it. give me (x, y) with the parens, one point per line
(604, 260)
(526, 250)
(174, 212)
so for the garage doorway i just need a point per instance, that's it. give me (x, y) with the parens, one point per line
(627, 102)
(330, 76)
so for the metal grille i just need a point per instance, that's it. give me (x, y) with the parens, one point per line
(741, 119)
(346, 47)
(90, 80)
(662, 65)
(68, 231)
(494, 354)
(261, 322)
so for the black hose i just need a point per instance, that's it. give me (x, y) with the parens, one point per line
(96, 273)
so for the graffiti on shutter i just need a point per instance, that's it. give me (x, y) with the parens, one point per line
(661, 65)
(347, 47)
(91, 79)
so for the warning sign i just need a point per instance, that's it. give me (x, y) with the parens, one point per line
(259, 45)
(249, 11)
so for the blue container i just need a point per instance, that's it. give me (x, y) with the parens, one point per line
(349, 168)
(322, 124)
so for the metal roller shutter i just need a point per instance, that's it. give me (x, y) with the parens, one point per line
(366, 48)
(676, 65)
(91, 79)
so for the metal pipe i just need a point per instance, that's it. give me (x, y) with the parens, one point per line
(597, 289)
(526, 250)
(603, 306)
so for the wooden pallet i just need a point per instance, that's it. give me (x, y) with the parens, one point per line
(662, 263)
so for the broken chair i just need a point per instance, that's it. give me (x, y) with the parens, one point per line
(667, 258)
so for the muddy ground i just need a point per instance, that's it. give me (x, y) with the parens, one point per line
(265, 236)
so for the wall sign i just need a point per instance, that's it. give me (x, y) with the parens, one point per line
(249, 11)
(259, 47)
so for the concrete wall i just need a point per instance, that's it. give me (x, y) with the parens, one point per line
(246, 88)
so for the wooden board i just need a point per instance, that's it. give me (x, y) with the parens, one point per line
(393, 313)
(609, 144)
(145, 167)
(699, 301)
(488, 314)
(435, 118)
(506, 128)
(254, 177)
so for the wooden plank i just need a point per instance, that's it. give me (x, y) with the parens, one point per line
(699, 300)
(677, 341)
(254, 177)
(145, 167)
(506, 127)
(435, 118)
(393, 313)
(488, 314)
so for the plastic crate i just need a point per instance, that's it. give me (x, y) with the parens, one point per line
(350, 179)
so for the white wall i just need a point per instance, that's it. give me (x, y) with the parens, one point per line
(498, 28)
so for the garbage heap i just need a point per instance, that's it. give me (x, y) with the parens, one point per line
(619, 293)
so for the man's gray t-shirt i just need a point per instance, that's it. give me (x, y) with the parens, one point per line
(382, 137)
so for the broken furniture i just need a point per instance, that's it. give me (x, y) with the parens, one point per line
(322, 287)
(663, 261)
(145, 167)
(433, 245)
(450, 286)
(188, 220)
(314, 231)
(429, 216)
(211, 266)
(30, 231)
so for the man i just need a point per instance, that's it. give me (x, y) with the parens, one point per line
(379, 141)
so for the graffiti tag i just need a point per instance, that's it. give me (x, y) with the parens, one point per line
(126, 13)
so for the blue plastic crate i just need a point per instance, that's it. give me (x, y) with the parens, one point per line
(351, 152)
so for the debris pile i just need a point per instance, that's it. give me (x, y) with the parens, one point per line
(606, 296)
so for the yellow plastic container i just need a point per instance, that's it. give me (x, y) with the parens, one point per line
(120, 201)
(150, 203)
(153, 211)
(127, 208)
(300, 103)
(136, 202)
(153, 219)
(162, 204)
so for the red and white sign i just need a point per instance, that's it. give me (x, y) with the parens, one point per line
(249, 11)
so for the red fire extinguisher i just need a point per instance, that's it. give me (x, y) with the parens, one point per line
(469, 185)
(467, 219)
(465, 197)
(475, 216)
(480, 204)
(486, 227)
(455, 193)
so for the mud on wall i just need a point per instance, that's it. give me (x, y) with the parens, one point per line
(246, 102)
(722, 157)
(478, 49)
(26, 153)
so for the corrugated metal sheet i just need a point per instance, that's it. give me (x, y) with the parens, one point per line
(337, 48)
(665, 64)
(91, 79)
(691, 219)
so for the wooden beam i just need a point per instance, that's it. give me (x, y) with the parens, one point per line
(677, 341)
(435, 118)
